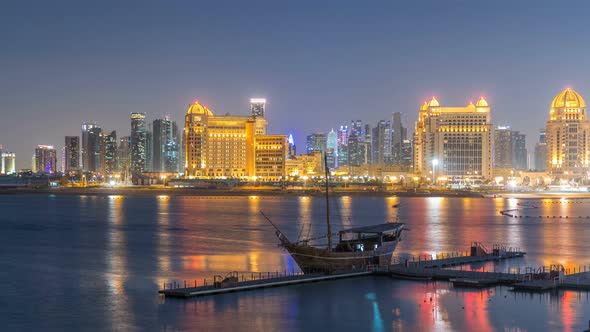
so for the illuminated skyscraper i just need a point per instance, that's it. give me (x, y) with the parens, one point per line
(332, 150)
(124, 156)
(292, 148)
(138, 142)
(316, 142)
(257, 107)
(381, 143)
(45, 159)
(110, 164)
(368, 141)
(94, 150)
(342, 136)
(258, 112)
(165, 146)
(356, 128)
(71, 154)
(568, 137)
(456, 141)
(356, 152)
(87, 151)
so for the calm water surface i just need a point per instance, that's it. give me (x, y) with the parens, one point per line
(96, 263)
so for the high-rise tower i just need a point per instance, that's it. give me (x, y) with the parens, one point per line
(165, 145)
(568, 137)
(138, 142)
(87, 150)
(45, 159)
(72, 154)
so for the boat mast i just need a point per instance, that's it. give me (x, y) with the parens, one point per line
(328, 203)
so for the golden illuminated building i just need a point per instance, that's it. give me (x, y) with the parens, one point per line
(568, 136)
(231, 146)
(305, 165)
(453, 142)
(270, 156)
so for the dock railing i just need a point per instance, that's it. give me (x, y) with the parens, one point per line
(217, 280)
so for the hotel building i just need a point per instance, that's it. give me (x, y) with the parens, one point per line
(232, 146)
(568, 137)
(453, 142)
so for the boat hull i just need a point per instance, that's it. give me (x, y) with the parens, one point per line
(312, 259)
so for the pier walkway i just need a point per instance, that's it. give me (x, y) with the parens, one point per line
(421, 268)
(579, 280)
(232, 282)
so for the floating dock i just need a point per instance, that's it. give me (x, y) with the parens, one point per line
(574, 281)
(421, 269)
(232, 283)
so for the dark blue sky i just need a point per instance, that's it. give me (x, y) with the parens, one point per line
(318, 65)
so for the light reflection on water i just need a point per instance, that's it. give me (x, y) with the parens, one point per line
(118, 250)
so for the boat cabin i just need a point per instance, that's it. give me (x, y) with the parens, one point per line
(368, 237)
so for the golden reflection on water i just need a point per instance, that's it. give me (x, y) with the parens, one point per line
(346, 211)
(305, 217)
(225, 263)
(435, 224)
(164, 264)
(117, 262)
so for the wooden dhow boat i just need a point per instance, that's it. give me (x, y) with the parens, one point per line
(357, 248)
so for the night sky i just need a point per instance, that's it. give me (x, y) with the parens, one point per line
(318, 65)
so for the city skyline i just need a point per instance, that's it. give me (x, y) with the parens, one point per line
(311, 64)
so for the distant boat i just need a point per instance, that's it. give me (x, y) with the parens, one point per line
(356, 249)
(395, 205)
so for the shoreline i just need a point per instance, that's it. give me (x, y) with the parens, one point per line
(159, 191)
(339, 192)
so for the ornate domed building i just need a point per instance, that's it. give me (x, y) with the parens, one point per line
(568, 137)
(453, 143)
(226, 146)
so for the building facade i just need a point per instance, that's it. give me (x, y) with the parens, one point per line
(87, 151)
(45, 159)
(226, 146)
(165, 146)
(453, 143)
(316, 142)
(71, 154)
(502, 147)
(399, 135)
(94, 150)
(138, 142)
(541, 151)
(332, 150)
(7, 162)
(568, 137)
(109, 162)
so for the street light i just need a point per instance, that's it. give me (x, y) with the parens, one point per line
(434, 163)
